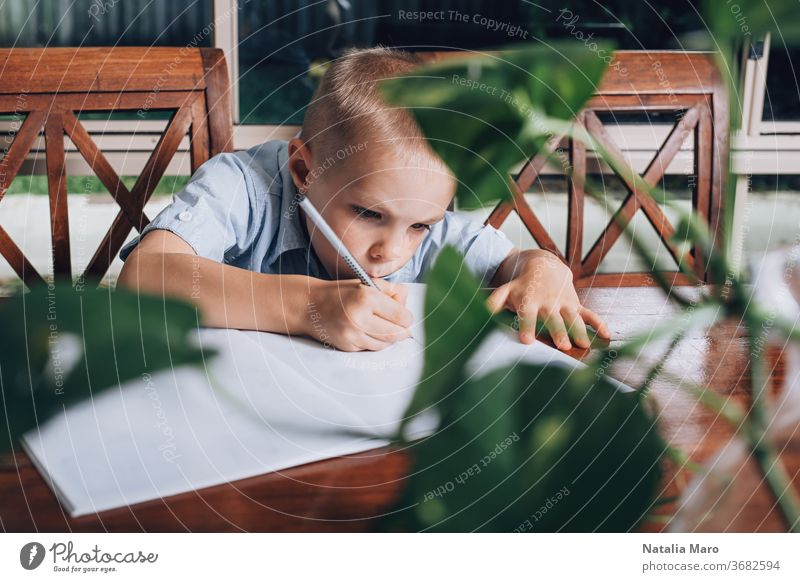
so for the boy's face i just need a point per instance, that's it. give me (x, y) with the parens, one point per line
(380, 207)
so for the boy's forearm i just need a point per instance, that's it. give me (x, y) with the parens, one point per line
(516, 263)
(226, 296)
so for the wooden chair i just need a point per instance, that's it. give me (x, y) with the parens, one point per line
(666, 81)
(51, 86)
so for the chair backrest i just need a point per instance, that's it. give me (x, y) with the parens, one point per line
(687, 83)
(51, 86)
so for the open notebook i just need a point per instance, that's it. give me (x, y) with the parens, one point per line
(266, 402)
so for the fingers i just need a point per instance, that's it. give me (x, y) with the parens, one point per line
(596, 322)
(558, 331)
(391, 310)
(384, 330)
(576, 328)
(366, 342)
(369, 318)
(561, 326)
(527, 323)
(372, 333)
(396, 291)
(362, 343)
(498, 298)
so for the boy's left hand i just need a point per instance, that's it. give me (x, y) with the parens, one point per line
(543, 290)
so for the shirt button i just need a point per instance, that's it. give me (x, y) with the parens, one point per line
(185, 216)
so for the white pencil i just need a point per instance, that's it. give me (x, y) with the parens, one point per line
(327, 231)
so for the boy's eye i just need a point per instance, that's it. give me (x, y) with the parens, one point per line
(362, 212)
(365, 213)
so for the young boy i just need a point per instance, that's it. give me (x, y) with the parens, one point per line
(235, 242)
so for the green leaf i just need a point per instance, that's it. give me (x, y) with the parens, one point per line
(532, 448)
(456, 321)
(690, 229)
(61, 345)
(483, 114)
(753, 18)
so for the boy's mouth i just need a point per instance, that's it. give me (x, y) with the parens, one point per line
(378, 273)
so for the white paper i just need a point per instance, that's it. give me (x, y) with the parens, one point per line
(266, 402)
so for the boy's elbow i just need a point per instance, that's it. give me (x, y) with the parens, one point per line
(126, 278)
(144, 269)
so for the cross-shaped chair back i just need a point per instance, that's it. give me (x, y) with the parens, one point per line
(49, 87)
(686, 83)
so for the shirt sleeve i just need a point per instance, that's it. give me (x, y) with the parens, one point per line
(483, 246)
(214, 213)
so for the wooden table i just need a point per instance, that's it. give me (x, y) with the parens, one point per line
(348, 493)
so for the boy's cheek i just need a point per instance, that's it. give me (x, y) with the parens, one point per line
(355, 242)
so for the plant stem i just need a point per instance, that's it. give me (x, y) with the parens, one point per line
(655, 371)
(779, 482)
(768, 461)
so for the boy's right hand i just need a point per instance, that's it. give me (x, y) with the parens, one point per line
(354, 317)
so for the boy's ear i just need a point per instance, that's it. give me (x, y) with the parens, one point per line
(299, 162)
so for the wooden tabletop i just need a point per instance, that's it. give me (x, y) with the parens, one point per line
(349, 493)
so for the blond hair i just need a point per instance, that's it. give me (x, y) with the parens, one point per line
(348, 106)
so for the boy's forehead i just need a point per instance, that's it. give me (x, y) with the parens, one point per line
(400, 178)
(381, 177)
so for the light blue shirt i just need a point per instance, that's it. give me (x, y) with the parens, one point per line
(241, 209)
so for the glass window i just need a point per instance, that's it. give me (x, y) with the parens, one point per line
(57, 23)
(88, 23)
(281, 41)
(782, 95)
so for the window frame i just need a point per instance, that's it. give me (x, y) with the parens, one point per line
(754, 86)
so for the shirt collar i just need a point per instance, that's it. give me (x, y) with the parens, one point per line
(292, 234)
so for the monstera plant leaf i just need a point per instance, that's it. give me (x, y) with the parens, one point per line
(61, 344)
(533, 448)
(523, 448)
(482, 114)
(456, 321)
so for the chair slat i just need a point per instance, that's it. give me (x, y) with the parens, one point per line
(112, 69)
(18, 261)
(57, 186)
(20, 146)
(103, 170)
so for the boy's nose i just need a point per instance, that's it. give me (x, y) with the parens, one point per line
(385, 253)
(389, 250)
